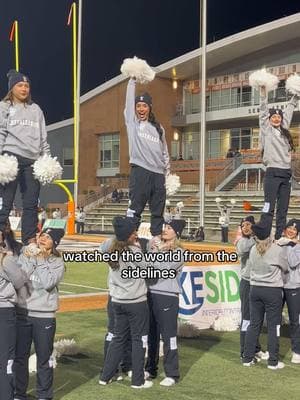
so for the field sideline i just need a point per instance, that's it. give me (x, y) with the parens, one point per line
(210, 368)
(210, 365)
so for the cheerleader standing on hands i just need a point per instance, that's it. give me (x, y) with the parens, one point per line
(23, 135)
(149, 159)
(277, 145)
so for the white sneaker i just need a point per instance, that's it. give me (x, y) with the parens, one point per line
(146, 385)
(102, 382)
(250, 363)
(295, 358)
(262, 355)
(167, 382)
(279, 365)
(129, 374)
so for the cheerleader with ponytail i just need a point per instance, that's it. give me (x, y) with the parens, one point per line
(277, 146)
(148, 151)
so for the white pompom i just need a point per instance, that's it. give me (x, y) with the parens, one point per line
(138, 69)
(172, 184)
(218, 199)
(47, 169)
(168, 203)
(187, 330)
(233, 201)
(67, 347)
(180, 204)
(225, 324)
(292, 84)
(8, 168)
(263, 78)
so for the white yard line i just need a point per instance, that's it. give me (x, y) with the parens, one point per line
(83, 286)
(64, 291)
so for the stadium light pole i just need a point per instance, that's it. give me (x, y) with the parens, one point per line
(202, 133)
(79, 36)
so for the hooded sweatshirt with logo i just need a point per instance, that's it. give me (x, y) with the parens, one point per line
(23, 130)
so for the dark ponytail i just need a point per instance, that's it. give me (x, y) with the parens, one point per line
(156, 124)
(286, 133)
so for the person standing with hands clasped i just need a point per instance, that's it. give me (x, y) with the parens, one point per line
(277, 145)
(23, 135)
(36, 308)
(149, 159)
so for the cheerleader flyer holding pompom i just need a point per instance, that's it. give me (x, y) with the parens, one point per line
(23, 139)
(277, 145)
(148, 151)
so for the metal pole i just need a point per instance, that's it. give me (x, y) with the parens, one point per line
(202, 69)
(78, 98)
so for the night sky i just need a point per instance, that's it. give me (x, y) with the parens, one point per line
(157, 30)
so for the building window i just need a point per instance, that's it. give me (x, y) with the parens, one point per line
(68, 157)
(110, 150)
(240, 138)
(190, 145)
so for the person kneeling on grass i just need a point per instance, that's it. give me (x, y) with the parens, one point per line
(163, 299)
(36, 308)
(129, 303)
(291, 245)
(267, 264)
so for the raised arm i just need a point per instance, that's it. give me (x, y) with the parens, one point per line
(264, 122)
(288, 112)
(129, 112)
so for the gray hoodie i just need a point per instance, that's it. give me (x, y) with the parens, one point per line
(39, 296)
(125, 290)
(23, 130)
(243, 247)
(146, 149)
(268, 269)
(293, 257)
(275, 146)
(11, 278)
(169, 286)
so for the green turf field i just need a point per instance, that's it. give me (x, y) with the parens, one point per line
(84, 278)
(210, 368)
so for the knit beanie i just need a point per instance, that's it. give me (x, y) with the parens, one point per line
(15, 77)
(124, 227)
(177, 225)
(144, 98)
(56, 235)
(262, 229)
(277, 111)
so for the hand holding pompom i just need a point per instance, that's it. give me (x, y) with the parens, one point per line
(47, 169)
(138, 69)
